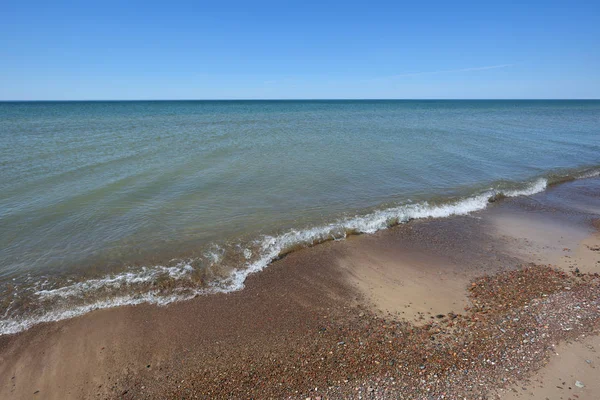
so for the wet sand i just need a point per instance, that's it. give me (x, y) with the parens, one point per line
(405, 312)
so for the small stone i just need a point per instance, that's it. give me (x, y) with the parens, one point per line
(588, 361)
(579, 384)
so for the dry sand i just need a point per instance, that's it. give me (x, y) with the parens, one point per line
(327, 321)
(572, 362)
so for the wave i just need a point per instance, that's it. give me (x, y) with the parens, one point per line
(128, 278)
(590, 173)
(140, 285)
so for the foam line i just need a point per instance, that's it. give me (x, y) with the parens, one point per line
(269, 249)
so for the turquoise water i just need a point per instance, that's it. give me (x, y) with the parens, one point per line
(109, 203)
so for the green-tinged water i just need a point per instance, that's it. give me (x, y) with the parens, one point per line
(108, 203)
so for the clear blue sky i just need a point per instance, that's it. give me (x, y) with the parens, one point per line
(305, 49)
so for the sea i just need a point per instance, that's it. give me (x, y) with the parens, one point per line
(112, 203)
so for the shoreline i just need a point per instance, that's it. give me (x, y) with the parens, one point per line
(178, 280)
(332, 310)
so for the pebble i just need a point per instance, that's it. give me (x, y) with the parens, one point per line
(503, 336)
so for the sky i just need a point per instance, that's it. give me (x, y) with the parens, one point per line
(128, 50)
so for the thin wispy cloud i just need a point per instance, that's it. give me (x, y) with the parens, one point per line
(449, 71)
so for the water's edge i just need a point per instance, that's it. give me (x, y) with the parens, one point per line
(46, 301)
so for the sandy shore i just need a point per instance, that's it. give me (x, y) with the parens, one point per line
(447, 308)
(574, 361)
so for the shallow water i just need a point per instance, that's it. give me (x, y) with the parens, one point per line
(108, 203)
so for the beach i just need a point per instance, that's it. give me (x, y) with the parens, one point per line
(299, 201)
(499, 303)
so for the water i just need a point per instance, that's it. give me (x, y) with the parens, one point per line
(109, 203)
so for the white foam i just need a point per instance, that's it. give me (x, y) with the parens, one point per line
(536, 187)
(270, 248)
(589, 174)
(16, 325)
(215, 255)
(143, 275)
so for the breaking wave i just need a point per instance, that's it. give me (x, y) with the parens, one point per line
(162, 285)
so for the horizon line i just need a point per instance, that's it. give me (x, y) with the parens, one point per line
(302, 99)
